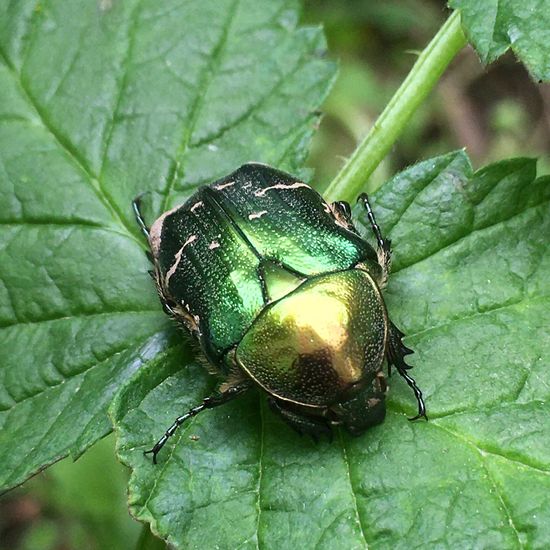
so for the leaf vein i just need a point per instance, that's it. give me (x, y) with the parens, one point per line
(498, 493)
(352, 490)
(68, 148)
(523, 301)
(256, 106)
(68, 376)
(123, 85)
(441, 170)
(79, 316)
(485, 451)
(205, 81)
(469, 234)
(260, 473)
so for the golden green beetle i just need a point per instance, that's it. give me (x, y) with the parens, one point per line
(282, 293)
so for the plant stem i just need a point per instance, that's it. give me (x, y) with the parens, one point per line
(424, 75)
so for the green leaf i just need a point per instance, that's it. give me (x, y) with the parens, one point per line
(471, 289)
(494, 26)
(100, 101)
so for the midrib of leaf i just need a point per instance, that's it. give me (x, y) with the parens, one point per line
(353, 491)
(67, 224)
(71, 152)
(130, 37)
(205, 80)
(260, 472)
(56, 223)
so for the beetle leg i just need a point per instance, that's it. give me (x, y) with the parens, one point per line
(208, 403)
(136, 205)
(383, 244)
(396, 357)
(302, 423)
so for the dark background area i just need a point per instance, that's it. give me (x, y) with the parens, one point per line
(494, 112)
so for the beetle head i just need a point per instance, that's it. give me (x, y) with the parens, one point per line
(364, 407)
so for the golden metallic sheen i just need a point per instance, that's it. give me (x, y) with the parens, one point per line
(316, 345)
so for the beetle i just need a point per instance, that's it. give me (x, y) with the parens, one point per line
(282, 293)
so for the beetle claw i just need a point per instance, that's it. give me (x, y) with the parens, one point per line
(152, 451)
(418, 416)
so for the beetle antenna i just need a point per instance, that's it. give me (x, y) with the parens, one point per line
(136, 205)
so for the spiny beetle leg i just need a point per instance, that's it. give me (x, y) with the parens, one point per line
(208, 403)
(396, 357)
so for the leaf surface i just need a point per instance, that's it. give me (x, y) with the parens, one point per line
(470, 287)
(494, 26)
(101, 101)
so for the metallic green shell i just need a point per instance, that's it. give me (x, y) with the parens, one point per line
(320, 342)
(240, 243)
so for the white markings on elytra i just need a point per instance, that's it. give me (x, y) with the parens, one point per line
(262, 192)
(177, 257)
(256, 215)
(197, 205)
(156, 230)
(224, 185)
(215, 243)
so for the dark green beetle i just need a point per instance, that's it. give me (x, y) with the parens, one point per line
(281, 292)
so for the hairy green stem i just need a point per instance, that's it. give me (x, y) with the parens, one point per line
(424, 75)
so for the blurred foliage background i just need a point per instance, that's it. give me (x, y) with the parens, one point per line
(494, 112)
